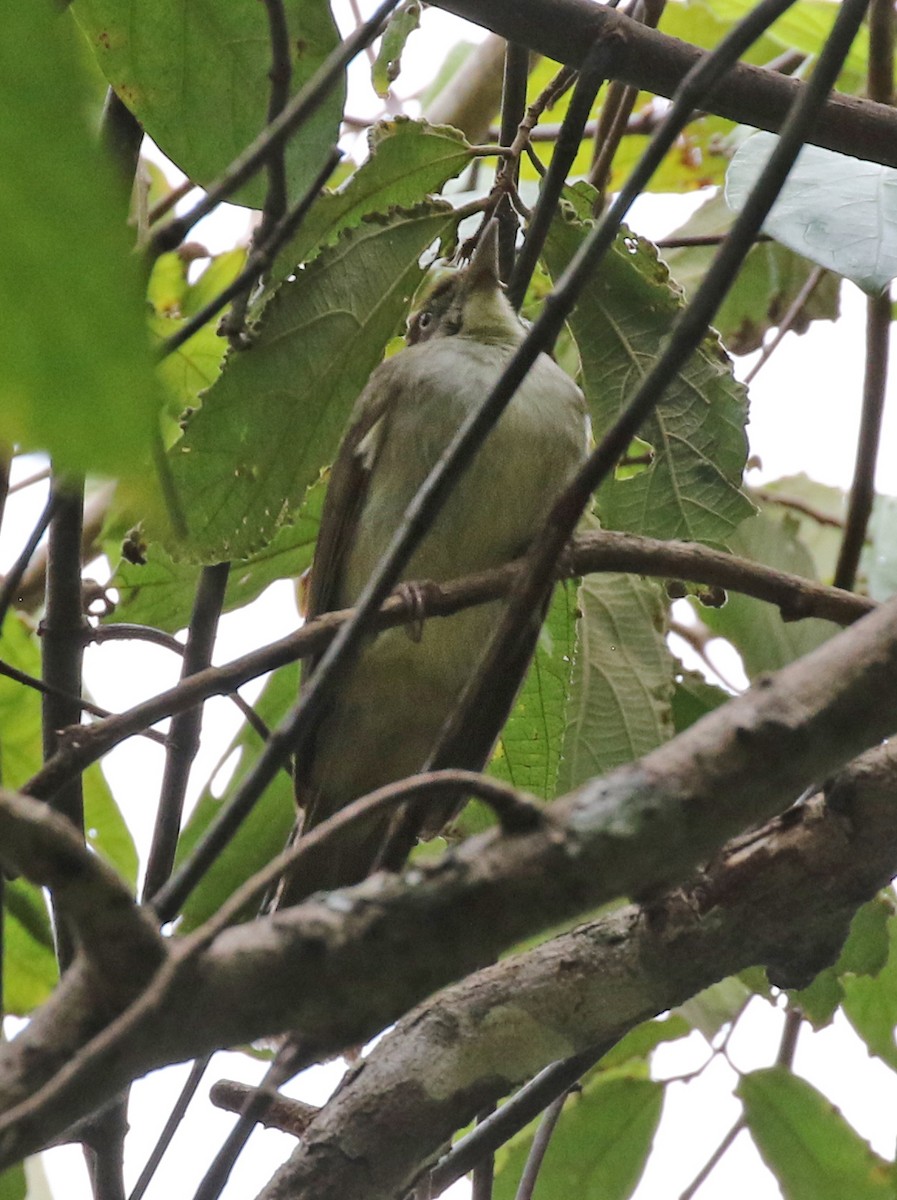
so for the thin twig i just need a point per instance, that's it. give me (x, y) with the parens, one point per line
(511, 1117)
(37, 477)
(515, 811)
(794, 1020)
(878, 325)
(593, 73)
(513, 105)
(713, 1161)
(17, 570)
(598, 551)
(169, 200)
(62, 653)
(539, 1148)
(284, 1112)
(123, 631)
(187, 1092)
(301, 107)
(38, 685)
(255, 1107)
(613, 123)
(799, 505)
(785, 325)
(182, 742)
(862, 490)
(678, 242)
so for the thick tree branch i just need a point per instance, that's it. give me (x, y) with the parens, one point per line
(639, 830)
(647, 59)
(782, 897)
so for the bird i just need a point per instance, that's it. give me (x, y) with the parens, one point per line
(385, 713)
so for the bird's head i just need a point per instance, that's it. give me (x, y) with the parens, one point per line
(470, 302)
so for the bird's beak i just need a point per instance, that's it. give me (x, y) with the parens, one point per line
(482, 271)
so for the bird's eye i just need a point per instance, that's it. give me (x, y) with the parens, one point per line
(424, 320)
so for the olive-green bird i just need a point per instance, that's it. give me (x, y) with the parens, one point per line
(385, 716)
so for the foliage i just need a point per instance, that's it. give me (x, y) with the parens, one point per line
(223, 454)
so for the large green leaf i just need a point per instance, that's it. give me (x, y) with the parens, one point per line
(767, 284)
(841, 212)
(75, 371)
(756, 628)
(862, 957)
(691, 489)
(29, 963)
(803, 27)
(870, 999)
(806, 1143)
(196, 364)
(529, 749)
(600, 1146)
(264, 832)
(705, 23)
(160, 592)
(813, 512)
(620, 694)
(408, 161)
(272, 420)
(196, 77)
(13, 1184)
(21, 751)
(879, 559)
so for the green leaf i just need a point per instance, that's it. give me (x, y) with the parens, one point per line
(715, 1006)
(13, 1184)
(694, 697)
(408, 161)
(161, 591)
(264, 832)
(528, 752)
(75, 371)
(804, 27)
(806, 1143)
(600, 1146)
(879, 560)
(388, 62)
(620, 693)
(691, 490)
(21, 751)
(864, 953)
(640, 1041)
(814, 513)
(29, 962)
(273, 419)
(705, 23)
(767, 284)
(196, 77)
(754, 627)
(870, 999)
(836, 210)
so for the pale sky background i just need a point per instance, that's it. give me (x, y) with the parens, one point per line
(799, 422)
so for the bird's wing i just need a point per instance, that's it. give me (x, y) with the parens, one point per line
(347, 491)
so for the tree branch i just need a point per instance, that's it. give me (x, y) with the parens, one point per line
(759, 903)
(637, 831)
(598, 551)
(565, 29)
